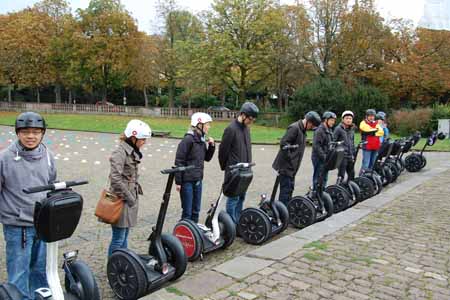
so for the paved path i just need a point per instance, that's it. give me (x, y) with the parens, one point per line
(85, 155)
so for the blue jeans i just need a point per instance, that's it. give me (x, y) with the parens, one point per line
(234, 207)
(318, 171)
(369, 159)
(25, 259)
(191, 200)
(119, 239)
(287, 185)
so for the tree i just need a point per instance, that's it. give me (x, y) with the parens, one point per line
(108, 42)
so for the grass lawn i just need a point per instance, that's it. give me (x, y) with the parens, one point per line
(177, 127)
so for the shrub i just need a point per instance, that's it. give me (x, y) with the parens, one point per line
(405, 122)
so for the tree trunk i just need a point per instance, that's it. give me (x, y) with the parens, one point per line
(70, 96)
(145, 97)
(171, 92)
(58, 93)
(10, 88)
(242, 89)
(224, 94)
(38, 95)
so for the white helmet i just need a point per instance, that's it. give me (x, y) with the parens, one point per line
(138, 129)
(200, 118)
(347, 113)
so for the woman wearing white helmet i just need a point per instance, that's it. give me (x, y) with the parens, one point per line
(124, 179)
(193, 149)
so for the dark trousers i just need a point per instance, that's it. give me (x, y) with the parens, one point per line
(319, 174)
(191, 200)
(287, 184)
(347, 166)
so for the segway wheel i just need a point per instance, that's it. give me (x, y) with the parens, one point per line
(366, 187)
(176, 255)
(126, 276)
(424, 162)
(227, 229)
(254, 226)
(355, 191)
(284, 215)
(339, 196)
(302, 212)
(86, 287)
(187, 233)
(413, 162)
(394, 170)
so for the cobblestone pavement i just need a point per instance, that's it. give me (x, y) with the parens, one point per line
(85, 155)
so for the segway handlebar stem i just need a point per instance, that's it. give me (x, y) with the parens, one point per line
(54, 186)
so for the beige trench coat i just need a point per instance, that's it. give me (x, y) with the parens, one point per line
(124, 183)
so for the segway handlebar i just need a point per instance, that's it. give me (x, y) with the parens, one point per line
(241, 165)
(289, 147)
(177, 169)
(54, 186)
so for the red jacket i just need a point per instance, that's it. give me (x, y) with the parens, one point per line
(371, 132)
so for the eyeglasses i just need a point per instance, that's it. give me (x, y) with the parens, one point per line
(32, 132)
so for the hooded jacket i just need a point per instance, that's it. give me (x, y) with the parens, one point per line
(20, 169)
(288, 162)
(323, 136)
(192, 150)
(371, 133)
(346, 135)
(235, 146)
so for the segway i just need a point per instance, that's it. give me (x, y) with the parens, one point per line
(9, 291)
(218, 232)
(132, 276)
(381, 166)
(417, 161)
(55, 219)
(373, 176)
(257, 225)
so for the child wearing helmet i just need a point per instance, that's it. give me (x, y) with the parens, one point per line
(323, 136)
(194, 149)
(345, 132)
(124, 177)
(371, 132)
(381, 118)
(287, 162)
(25, 163)
(236, 147)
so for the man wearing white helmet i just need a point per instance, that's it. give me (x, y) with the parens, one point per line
(345, 132)
(194, 149)
(124, 179)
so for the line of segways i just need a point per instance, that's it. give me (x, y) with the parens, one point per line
(132, 276)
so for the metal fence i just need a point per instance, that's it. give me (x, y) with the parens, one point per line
(161, 112)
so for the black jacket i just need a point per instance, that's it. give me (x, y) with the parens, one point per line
(288, 162)
(323, 136)
(346, 135)
(192, 150)
(235, 146)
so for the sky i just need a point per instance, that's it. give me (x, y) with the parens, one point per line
(145, 10)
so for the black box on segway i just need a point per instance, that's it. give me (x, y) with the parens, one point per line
(57, 216)
(334, 157)
(237, 181)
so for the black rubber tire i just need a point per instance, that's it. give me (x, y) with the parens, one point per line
(197, 239)
(339, 196)
(9, 291)
(398, 163)
(376, 179)
(366, 186)
(413, 162)
(394, 170)
(87, 288)
(254, 226)
(175, 254)
(134, 285)
(284, 215)
(302, 212)
(424, 162)
(329, 207)
(227, 229)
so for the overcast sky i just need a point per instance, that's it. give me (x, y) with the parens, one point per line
(144, 10)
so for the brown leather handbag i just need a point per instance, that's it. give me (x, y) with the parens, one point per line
(109, 207)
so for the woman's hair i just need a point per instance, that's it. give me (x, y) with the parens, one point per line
(122, 137)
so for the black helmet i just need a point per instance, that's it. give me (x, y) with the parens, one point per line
(249, 109)
(371, 112)
(30, 120)
(313, 117)
(381, 115)
(328, 115)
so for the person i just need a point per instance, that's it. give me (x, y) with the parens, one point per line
(124, 179)
(27, 162)
(236, 147)
(323, 136)
(381, 118)
(287, 162)
(371, 132)
(194, 150)
(345, 132)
